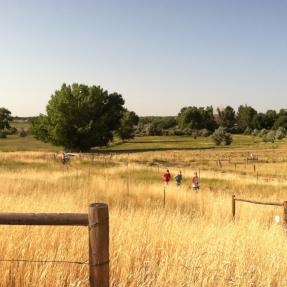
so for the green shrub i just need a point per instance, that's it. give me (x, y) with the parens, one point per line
(187, 131)
(263, 132)
(269, 137)
(228, 139)
(220, 135)
(3, 135)
(11, 131)
(255, 132)
(280, 134)
(195, 134)
(23, 133)
(204, 133)
(178, 132)
(248, 131)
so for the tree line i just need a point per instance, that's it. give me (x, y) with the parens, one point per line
(79, 117)
(205, 120)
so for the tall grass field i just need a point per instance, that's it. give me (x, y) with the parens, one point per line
(193, 241)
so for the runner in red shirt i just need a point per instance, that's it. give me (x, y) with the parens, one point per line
(166, 177)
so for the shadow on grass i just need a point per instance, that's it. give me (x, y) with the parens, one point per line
(119, 151)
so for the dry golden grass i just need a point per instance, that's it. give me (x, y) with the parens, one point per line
(192, 242)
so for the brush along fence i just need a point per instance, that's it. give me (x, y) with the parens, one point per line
(284, 204)
(97, 221)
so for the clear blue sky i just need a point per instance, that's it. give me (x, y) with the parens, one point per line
(160, 55)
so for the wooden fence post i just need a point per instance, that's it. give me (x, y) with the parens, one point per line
(164, 196)
(285, 212)
(233, 206)
(98, 216)
(219, 163)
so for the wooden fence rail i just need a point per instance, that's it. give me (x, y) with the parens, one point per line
(284, 204)
(97, 221)
(64, 219)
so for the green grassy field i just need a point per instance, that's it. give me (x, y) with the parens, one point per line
(21, 125)
(185, 143)
(16, 143)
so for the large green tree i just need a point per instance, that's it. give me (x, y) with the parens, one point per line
(226, 117)
(245, 115)
(281, 122)
(80, 117)
(5, 119)
(197, 118)
(260, 121)
(271, 117)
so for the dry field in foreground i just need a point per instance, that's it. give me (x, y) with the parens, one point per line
(192, 242)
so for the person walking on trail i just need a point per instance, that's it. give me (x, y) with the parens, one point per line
(195, 182)
(166, 177)
(178, 178)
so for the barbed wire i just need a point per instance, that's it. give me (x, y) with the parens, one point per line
(45, 261)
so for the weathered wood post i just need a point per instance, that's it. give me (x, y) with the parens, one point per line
(164, 196)
(285, 212)
(98, 216)
(128, 177)
(233, 206)
(257, 177)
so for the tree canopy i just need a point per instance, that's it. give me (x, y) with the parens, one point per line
(80, 117)
(5, 119)
(226, 117)
(127, 127)
(245, 117)
(197, 118)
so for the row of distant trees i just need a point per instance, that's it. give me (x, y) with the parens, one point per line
(205, 120)
(79, 117)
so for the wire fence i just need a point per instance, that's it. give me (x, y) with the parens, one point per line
(44, 261)
(282, 204)
(97, 222)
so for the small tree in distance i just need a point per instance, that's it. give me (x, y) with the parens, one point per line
(269, 137)
(220, 135)
(126, 130)
(5, 119)
(280, 134)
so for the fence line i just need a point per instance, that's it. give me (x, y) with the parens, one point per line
(44, 261)
(259, 202)
(97, 221)
(59, 219)
(284, 204)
